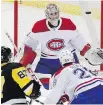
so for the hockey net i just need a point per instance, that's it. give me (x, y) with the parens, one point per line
(19, 16)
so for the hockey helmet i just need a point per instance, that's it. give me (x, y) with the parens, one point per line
(52, 12)
(65, 56)
(5, 54)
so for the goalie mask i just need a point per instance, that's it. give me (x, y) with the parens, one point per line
(5, 54)
(65, 56)
(52, 14)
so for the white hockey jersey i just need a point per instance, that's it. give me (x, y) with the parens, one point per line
(55, 39)
(71, 80)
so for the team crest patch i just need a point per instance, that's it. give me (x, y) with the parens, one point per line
(55, 44)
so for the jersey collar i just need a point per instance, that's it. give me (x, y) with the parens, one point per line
(69, 64)
(56, 28)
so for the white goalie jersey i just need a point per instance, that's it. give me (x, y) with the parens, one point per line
(65, 36)
(52, 40)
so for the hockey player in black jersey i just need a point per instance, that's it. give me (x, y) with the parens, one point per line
(15, 84)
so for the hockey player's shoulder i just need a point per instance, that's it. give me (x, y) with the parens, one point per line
(15, 65)
(63, 69)
(40, 26)
(11, 66)
(67, 24)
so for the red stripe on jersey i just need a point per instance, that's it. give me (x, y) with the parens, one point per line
(67, 24)
(86, 82)
(40, 26)
(85, 49)
(59, 71)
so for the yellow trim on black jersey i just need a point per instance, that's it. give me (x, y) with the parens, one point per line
(2, 84)
(3, 64)
(2, 79)
(29, 90)
(19, 75)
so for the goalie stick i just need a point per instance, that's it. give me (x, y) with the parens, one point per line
(7, 34)
(39, 102)
(10, 39)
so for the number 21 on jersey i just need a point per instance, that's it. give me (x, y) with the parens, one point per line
(81, 72)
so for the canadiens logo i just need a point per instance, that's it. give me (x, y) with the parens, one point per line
(55, 44)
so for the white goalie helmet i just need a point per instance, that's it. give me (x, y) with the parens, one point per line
(52, 13)
(65, 56)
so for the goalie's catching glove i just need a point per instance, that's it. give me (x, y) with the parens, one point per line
(100, 52)
(94, 57)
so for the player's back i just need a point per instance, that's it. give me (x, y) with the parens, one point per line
(10, 89)
(77, 79)
(80, 79)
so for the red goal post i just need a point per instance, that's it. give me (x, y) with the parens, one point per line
(101, 68)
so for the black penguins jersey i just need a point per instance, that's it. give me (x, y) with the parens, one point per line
(14, 82)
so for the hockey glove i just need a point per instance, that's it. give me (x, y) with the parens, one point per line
(36, 90)
(94, 57)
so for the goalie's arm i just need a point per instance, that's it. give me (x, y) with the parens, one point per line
(29, 50)
(94, 56)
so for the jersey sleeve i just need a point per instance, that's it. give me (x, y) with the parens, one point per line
(20, 77)
(30, 46)
(80, 43)
(31, 42)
